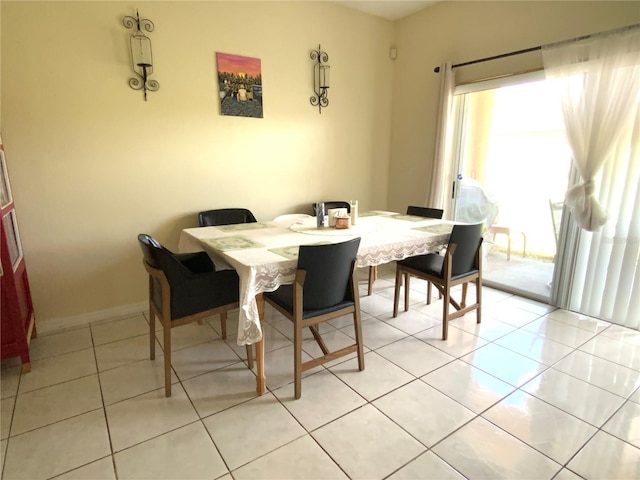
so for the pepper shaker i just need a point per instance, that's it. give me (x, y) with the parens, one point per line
(354, 211)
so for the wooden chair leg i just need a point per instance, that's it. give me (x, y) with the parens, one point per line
(167, 359)
(152, 334)
(261, 379)
(406, 291)
(445, 313)
(297, 360)
(396, 293)
(249, 356)
(373, 274)
(463, 303)
(357, 325)
(316, 334)
(429, 285)
(223, 325)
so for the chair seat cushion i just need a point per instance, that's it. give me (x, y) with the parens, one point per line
(284, 298)
(431, 264)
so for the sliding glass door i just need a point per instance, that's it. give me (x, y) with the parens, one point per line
(512, 166)
(511, 169)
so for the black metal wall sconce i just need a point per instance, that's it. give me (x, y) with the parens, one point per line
(141, 56)
(320, 78)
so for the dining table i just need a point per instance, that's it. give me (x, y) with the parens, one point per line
(265, 256)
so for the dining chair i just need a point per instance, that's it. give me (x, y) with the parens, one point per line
(225, 216)
(425, 212)
(461, 264)
(508, 231)
(325, 287)
(184, 288)
(334, 204)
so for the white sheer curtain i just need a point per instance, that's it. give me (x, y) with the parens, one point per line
(599, 81)
(441, 147)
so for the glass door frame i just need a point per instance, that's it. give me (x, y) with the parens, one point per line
(569, 234)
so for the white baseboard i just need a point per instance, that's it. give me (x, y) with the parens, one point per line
(84, 319)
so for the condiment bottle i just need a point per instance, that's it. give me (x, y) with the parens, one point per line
(354, 211)
(320, 214)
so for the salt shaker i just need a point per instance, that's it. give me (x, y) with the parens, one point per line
(354, 211)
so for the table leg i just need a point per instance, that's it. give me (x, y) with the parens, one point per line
(260, 376)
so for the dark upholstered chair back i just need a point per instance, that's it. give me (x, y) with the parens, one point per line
(151, 250)
(328, 273)
(460, 265)
(195, 284)
(225, 216)
(425, 212)
(467, 239)
(328, 205)
(163, 259)
(325, 287)
(183, 288)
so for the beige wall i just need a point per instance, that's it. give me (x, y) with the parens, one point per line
(92, 164)
(459, 31)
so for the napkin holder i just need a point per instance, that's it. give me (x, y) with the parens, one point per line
(342, 220)
(334, 213)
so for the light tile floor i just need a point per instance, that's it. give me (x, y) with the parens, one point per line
(530, 393)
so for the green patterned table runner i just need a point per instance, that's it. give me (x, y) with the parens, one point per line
(376, 213)
(438, 228)
(287, 252)
(236, 242)
(291, 252)
(241, 226)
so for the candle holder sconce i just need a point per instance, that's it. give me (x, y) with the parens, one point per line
(141, 55)
(320, 78)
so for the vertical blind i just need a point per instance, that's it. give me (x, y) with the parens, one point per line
(598, 82)
(606, 280)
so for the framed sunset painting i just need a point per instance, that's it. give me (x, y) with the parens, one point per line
(239, 85)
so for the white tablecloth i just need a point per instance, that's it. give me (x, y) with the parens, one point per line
(265, 254)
